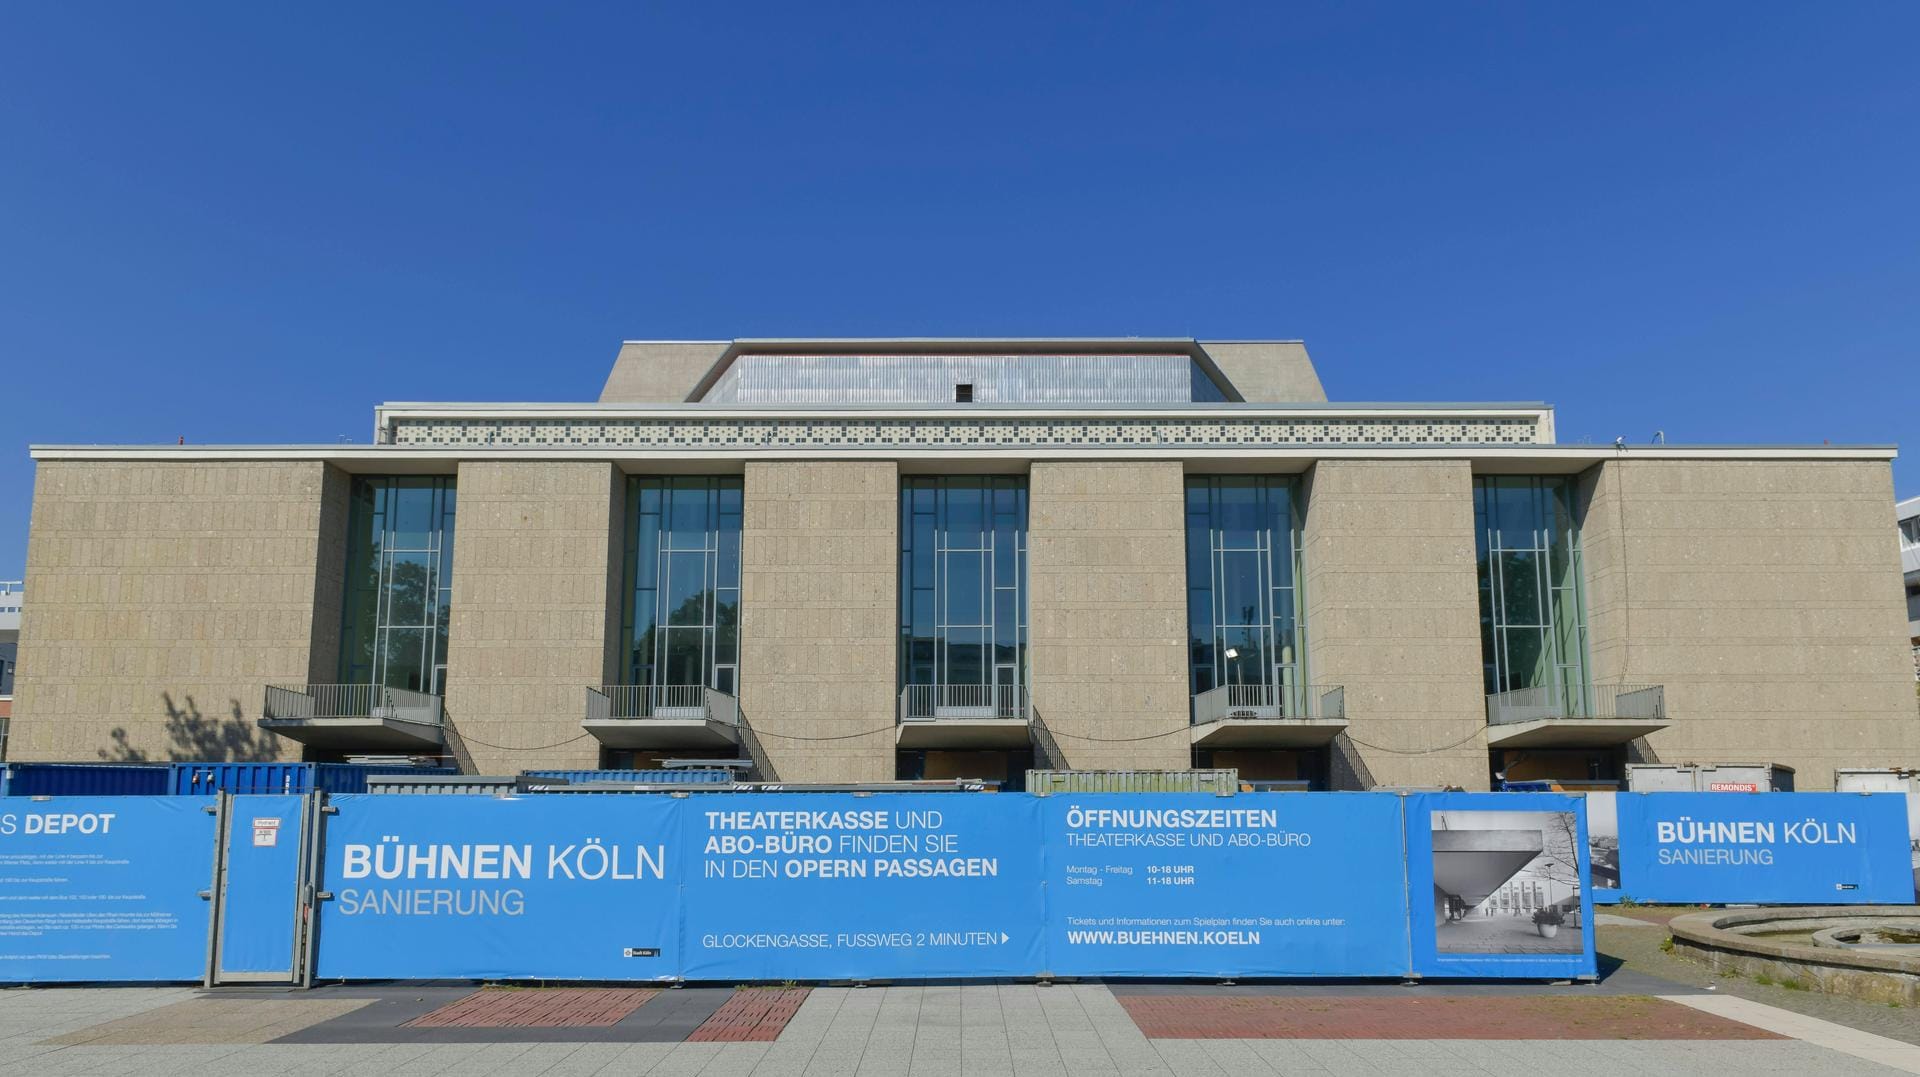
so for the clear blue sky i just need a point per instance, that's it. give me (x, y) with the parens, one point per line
(252, 222)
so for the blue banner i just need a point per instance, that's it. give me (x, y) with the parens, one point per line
(1498, 885)
(104, 888)
(1199, 885)
(470, 887)
(1765, 848)
(822, 886)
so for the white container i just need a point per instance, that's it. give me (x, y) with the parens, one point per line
(1877, 780)
(1659, 778)
(1743, 778)
(1708, 778)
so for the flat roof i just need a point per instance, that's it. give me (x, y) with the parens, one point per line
(1490, 459)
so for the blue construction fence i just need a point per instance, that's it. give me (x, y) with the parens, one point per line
(730, 886)
(808, 886)
(1754, 848)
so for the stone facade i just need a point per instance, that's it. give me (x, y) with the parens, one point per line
(1107, 614)
(659, 371)
(1760, 595)
(534, 621)
(167, 595)
(1268, 371)
(819, 551)
(1393, 616)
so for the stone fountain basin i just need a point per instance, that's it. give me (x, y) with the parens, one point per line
(1734, 940)
(1881, 935)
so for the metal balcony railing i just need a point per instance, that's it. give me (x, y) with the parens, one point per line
(934, 702)
(1270, 701)
(1629, 701)
(640, 702)
(371, 701)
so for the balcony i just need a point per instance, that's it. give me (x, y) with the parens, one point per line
(354, 717)
(963, 716)
(1575, 715)
(1269, 716)
(662, 716)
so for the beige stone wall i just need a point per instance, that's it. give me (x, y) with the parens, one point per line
(533, 567)
(1106, 609)
(820, 550)
(166, 597)
(1268, 371)
(1393, 615)
(659, 372)
(1765, 596)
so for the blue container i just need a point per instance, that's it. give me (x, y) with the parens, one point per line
(1526, 787)
(642, 777)
(83, 779)
(206, 779)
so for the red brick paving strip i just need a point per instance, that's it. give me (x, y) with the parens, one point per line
(551, 1007)
(1524, 1017)
(751, 1016)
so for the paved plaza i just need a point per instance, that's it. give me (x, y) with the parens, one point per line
(400, 1030)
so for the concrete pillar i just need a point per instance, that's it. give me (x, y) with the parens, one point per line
(820, 551)
(166, 597)
(1765, 596)
(533, 622)
(1107, 614)
(1393, 615)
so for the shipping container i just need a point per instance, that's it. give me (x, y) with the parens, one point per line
(1660, 778)
(1220, 782)
(1709, 778)
(689, 776)
(206, 779)
(1745, 778)
(1877, 780)
(442, 784)
(83, 779)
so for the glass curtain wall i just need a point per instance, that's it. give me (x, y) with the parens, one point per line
(1533, 626)
(681, 615)
(1244, 614)
(963, 596)
(399, 582)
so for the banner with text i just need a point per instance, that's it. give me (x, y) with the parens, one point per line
(104, 888)
(824, 886)
(1764, 848)
(476, 887)
(1198, 885)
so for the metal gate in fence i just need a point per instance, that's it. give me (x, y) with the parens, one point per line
(264, 867)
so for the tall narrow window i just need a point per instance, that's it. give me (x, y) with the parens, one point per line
(681, 615)
(963, 596)
(399, 582)
(1533, 628)
(1244, 623)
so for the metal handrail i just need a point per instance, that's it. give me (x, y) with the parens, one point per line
(1270, 701)
(1557, 701)
(661, 701)
(933, 702)
(371, 701)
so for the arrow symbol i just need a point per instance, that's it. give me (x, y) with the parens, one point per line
(1003, 936)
